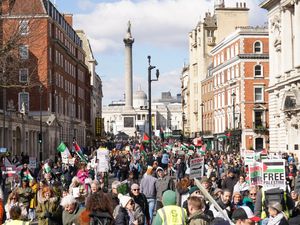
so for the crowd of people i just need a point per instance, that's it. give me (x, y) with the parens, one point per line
(147, 188)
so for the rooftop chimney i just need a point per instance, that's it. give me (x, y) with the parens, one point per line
(69, 18)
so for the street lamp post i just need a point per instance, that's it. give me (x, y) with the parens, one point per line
(202, 105)
(233, 95)
(41, 125)
(150, 68)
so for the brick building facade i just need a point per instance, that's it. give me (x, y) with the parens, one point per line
(240, 74)
(51, 67)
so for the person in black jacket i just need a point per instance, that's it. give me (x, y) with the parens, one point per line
(230, 181)
(295, 220)
(141, 200)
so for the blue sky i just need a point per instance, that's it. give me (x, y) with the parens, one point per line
(160, 29)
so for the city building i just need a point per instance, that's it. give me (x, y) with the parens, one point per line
(235, 91)
(166, 115)
(185, 95)
(284, 87)
(96, 129)
(52, 86)
(214, 28)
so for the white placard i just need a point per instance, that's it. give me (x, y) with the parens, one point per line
(103, 160)
(196, 168)
(32, 163)
(75, 192)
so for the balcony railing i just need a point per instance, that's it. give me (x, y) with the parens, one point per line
(260, 127)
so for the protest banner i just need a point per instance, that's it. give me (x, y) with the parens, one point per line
(103, 160)
(196, 168)
(32, 163)
(249, 157)
(273, 174)
(254, 173)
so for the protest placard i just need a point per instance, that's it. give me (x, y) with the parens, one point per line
(32, 163)
(254, 173)
(103, 160)
(196, 168)
(273, 174)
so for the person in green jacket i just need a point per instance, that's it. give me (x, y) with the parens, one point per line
(170, 213)
(48, 212)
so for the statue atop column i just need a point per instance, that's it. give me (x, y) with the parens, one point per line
(128, 36)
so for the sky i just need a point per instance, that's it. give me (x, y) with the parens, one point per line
(160, 29)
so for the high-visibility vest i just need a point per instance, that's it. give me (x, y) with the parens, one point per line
(172, 215)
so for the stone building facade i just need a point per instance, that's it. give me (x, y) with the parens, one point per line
(284, 88)
(208, 32)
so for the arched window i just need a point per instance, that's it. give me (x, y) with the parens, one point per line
(258, 71)
(257, 47)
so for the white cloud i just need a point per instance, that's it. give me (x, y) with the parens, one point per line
(159, 22)
(155, 23)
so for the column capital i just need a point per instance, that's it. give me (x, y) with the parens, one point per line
(128, 41)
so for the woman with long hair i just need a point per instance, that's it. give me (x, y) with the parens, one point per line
(98, 213)
(13, 200)
(48, 212)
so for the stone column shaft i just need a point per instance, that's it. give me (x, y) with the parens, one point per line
(297, 34)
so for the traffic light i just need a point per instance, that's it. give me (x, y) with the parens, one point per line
(40, 138)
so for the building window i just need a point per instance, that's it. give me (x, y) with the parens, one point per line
(23, 51)
(258, 94)
(23, 27)
(23, 101)
(258, 71)
(257, 47)
(23, 75)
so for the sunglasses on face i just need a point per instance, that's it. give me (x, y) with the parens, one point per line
(252, 194)
(135, 189)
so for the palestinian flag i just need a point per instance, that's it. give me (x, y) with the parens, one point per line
(184, 147)
(146, 138)
(273, 167)
(27, 175)
(64, 151)
(47, 168)
(78, 151)
(202, 150)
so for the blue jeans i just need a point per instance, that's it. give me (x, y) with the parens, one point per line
(151, 203)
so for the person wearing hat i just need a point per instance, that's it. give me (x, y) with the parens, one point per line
(276, 216)
(170, 213)
(128, 212)
(147, 187)
(163, 183)
(244, 216)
